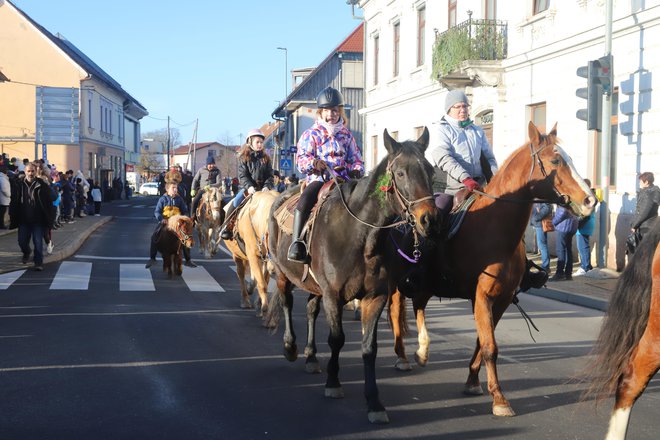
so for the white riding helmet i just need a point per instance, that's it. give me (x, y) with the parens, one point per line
(254, 132)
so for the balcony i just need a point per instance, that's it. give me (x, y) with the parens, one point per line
(470, 53)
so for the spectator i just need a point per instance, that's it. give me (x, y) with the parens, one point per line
(80, 198)
(5, 195)
(97, 197)
(566, 225)
(648, 200)
(68, 193)
(277, 180)
(586, 226)
(541, 211)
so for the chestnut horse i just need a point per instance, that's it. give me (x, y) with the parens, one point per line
(172, 237)
(349, 256)
(210, 216)
(249, 247)
(485, 261)
(626, 352)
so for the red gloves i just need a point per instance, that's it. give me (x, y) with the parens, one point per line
(471, 184)
(320, 165)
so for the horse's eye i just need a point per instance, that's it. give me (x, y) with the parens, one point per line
(399, 174)
(555, 161)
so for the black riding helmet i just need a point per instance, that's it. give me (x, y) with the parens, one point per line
(329, 97)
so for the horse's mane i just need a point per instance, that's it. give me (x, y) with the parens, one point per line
(625, 321)
(174, 220)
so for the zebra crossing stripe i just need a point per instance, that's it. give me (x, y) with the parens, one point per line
(199, 280)
(72, 275)
(7, 279)
(134, 277)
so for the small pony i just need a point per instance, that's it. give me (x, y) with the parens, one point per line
(210, 217)
(178, 232)
(626, 352)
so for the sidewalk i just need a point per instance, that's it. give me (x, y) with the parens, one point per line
(67, 241)
(591, 290)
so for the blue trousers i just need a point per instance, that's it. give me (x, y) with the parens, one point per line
(584, 251)
(34, 231)
(564, 253)
(542, 243)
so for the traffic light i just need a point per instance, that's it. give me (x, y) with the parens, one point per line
(599, 81)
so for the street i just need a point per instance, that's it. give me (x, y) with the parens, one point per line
(92, 350)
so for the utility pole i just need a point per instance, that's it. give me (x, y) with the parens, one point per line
(168, 143)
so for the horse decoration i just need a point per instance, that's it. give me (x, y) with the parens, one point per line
(626, 352)
(249, 246)
(178, 232)
(485, 260)
(210, 216)
(350, 257)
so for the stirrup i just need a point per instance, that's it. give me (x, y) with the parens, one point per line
(297, 252)
(226, 234)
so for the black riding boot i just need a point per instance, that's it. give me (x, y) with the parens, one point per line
(535, 279)
(226, 232)
(298, 250)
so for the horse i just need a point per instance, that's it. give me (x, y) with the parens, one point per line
(249, 247)
(178, 232)
(210, 216)
(626, 352)
(349, 257)
(485, 260)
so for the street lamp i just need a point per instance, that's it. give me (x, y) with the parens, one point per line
(286, 89)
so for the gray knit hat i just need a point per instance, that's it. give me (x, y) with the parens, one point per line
(454, 97)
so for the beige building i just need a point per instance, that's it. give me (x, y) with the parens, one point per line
(104, 126)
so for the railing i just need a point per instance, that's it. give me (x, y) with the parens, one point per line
(470, 40)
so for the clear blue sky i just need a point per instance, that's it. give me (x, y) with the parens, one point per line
(212, 60)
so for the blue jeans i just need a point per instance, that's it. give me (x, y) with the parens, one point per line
(34, 231)
(238, 199)
(542, 243)
(565, 253)
(585, 253)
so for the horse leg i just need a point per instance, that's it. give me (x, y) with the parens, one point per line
(257, 272)
(372, 307)
(336, 339)
(285, 289)
(423, 340)
(209, 243)
(397, 311)
(178, 268)
(240, 272)
(313, 307)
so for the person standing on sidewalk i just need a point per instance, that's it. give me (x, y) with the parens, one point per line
(5, 195)
(97, 197)
(566, 225)
(648, 200)
(586, 227)
(31, 210)
(539, 212)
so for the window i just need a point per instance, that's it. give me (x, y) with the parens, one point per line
(395, 55)
(421, 31)
(540, 6)
(89, 111)
(374, 151)
(452, 14)
(376, 49)
(418, 132)
(537, 115)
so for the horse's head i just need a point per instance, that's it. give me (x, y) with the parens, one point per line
(213, 200)
(184, 230)
(553, 175)
(407, 181)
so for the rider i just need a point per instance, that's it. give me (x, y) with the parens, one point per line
(170, 203)
(207, 176)
(255, 171)
(327, 143)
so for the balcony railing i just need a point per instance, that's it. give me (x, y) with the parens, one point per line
(470, 40)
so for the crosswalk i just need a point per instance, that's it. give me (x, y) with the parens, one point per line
(133, 277)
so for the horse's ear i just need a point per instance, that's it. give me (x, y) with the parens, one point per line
(391, 145)
(553, 132)
(534, 134)
(424, 139)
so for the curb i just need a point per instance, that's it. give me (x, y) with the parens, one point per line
(73, 247)
(571, 298)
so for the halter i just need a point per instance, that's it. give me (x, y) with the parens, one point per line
(180, 232)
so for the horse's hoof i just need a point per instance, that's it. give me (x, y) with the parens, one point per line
(378, 417)
(334, 393)
(503, 411)
(312, 367)
(291, 353)
(421, 360)
(473, 390)
(402, 364)
(245, 304)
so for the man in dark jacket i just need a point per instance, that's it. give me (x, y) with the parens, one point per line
(648, 200)
(209, 175)
(31, 210)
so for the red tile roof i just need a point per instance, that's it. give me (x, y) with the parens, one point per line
(354, 42)
(183, 149)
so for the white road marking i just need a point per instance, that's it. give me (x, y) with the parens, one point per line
(199, 280)
(134, 277)
(9, 278)
(72, 275)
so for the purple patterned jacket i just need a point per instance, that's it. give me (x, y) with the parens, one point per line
(337, 151)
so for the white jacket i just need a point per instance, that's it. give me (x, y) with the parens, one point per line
(5, 190)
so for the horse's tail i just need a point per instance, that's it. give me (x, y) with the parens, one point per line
(624, 323)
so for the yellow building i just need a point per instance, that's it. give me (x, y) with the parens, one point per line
(105, 118)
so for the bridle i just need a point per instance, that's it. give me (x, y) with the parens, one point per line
(183, 237)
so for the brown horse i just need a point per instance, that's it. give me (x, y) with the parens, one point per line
(249, 246)
(626, 352)
(210, 216)
(178, 232)
(350, 257)
(485, 260)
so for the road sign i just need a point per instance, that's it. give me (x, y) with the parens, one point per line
(293, 149)
(285, 164)
(57, 115)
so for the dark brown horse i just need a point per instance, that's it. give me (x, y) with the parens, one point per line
(349, 257)
(485, 260)
(626, 352)
(178, 232)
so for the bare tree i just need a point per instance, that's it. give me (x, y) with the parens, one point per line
(149, 166)
(160, 135)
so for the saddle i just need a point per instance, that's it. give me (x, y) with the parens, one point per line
(284, 214)
(453, 210)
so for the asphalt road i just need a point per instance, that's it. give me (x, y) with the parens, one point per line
(84, 356)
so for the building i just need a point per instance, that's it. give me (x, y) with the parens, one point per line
(193, 157)
(103, 127)
(517, 62)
